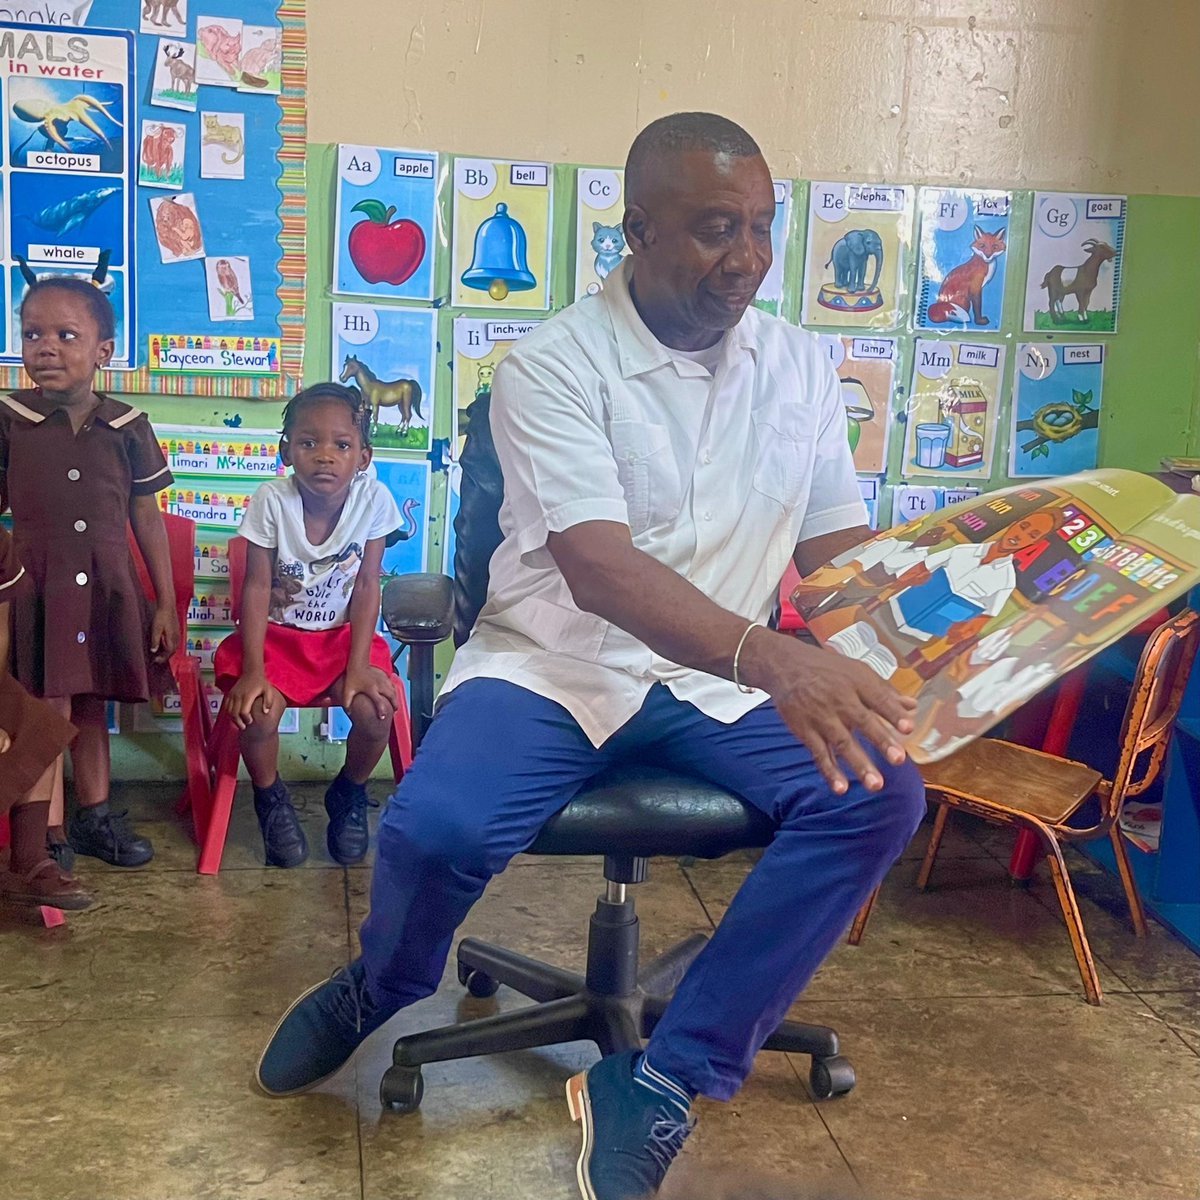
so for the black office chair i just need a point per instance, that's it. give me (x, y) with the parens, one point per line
(628, 815)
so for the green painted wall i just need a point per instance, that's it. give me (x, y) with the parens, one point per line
(1151, 396)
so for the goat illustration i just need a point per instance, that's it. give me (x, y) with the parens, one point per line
(1078, 281)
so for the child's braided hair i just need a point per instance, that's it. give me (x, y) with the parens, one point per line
(322, 393)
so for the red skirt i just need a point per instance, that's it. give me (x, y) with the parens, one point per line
(301, 663)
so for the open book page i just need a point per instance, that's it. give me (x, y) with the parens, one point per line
(976, 607)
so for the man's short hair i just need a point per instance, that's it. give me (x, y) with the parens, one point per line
(682, 132)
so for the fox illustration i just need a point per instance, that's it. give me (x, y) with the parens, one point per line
(963, 286)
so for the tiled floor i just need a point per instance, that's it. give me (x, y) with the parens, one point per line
(127, 1041)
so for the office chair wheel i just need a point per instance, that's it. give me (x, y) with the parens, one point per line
(831, 1077)
(401, 1089)
(478, 983)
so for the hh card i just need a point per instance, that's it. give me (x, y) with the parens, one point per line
(222, 145)
(1073, 284)
(599, 236)
(387, 223)
(262, 59)
(219, 51)
(770, 293)
(952, 407)
(479, 345)
(1056, 408)
(963, 256)
(866, 367)
(388, 354)
(173, 84)
(502, 217)
(160, 162)
(177, 227)
(858, 240)
(164, 16)
(229, 294)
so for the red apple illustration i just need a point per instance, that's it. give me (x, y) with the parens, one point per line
(383, 250)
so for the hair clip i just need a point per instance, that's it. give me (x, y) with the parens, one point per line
(101, 271)
(27, 272)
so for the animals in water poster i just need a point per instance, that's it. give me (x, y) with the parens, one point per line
(963, 258)
(388, 355)
(951, 415)
(1076, 246)
(599, 236)
(770, 292)
(866, 368)
(386, 241)
(502, 234)
(858, 242)
(479, 345)
(1056, 408)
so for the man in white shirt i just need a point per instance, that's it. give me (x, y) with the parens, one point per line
(665, 448)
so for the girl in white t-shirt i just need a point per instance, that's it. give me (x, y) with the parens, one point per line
(309, 611)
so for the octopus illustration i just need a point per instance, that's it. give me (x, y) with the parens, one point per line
(178, 228)
(52, 120)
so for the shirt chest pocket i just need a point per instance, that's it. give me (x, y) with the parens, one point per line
(784, 445)
(648, 471)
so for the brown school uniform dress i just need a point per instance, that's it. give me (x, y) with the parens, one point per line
(38, 734)
(82, 625)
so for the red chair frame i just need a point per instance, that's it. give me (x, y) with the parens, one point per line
(212, 815)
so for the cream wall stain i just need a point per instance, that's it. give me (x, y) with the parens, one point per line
(1028, 93)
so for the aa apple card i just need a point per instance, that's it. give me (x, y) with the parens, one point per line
(387, 237)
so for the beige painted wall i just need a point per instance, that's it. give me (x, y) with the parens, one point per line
(1044, 93)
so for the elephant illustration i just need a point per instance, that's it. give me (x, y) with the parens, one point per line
(849, 258)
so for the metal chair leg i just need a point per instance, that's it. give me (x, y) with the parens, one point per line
(1121, 853)
(1074, 919)
(860, 921)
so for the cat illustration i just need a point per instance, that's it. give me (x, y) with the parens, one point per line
(228, 136)
(608, 241)
(963, 286)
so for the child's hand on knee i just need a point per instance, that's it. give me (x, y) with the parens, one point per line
(375, 687)
(250, 691)
(5, 741)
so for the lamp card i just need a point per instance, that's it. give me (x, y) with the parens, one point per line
(866, 367)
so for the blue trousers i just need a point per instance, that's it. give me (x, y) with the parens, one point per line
(498, 761)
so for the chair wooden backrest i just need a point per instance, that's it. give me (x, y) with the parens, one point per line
(181, 543)
(1158, 686)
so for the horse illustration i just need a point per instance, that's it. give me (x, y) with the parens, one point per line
(404, 394)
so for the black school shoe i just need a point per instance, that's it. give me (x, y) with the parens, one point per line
(284, 843)
(347, 837)
(101, 833)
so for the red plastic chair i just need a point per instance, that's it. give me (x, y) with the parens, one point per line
(212, 824)
(185, 668)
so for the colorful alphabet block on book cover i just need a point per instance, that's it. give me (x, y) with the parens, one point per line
(388, 354)
(599, 237)
(1056, 408)
(502, 232)
(858, 241)
(866, 367)
(1076, 248)
(952, 407)
(963, 258)
(479, 345)
(386, 227)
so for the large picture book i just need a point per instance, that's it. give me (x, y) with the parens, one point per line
(974, 608)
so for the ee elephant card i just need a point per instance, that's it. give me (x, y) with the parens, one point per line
(858, 241)
(502, 234)
(950, 420)
(770, 294)
(599, 237)
(386, 237)
(963, 258)
(866, 367)
(389, 355)
(1076, 247)
(1056, 408)
(479, 345)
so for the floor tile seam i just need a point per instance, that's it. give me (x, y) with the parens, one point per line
(931, 998)
(684, 871)
(1167, 1023)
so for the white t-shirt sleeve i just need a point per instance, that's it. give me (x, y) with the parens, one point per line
(260, 521)
(558, 465)
(385, 514)
(835, 503)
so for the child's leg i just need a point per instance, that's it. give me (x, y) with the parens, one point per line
(284, 843)
(260, 743)
(367, 741)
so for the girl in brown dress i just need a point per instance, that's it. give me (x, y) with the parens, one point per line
(75, 468)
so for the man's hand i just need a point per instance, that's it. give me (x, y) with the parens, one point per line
(825, 699)
(373, 685)
(249, 691)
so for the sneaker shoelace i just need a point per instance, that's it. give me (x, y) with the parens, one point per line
(666, 1139)
(346, 1001)
(116, 825)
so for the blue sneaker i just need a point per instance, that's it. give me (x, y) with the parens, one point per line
(319, 1033)
(630, 1133)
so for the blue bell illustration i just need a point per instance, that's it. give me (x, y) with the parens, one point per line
(499, 265)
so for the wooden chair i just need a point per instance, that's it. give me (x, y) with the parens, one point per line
(1029, 789)
(212, 815)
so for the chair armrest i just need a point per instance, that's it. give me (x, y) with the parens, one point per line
(418, 609)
